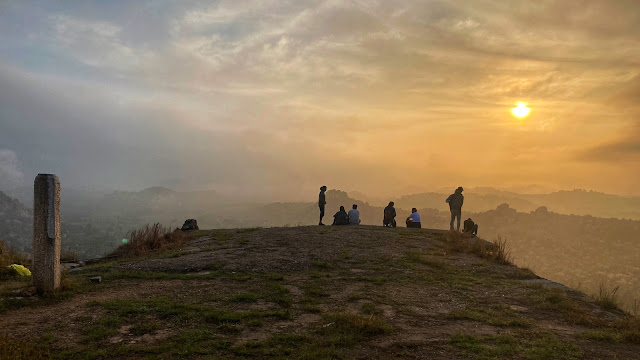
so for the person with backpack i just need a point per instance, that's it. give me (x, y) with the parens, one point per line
(389, 215)
(470, 227)
(341, 217)
(455, 202)
(321, 203)
(413, 221)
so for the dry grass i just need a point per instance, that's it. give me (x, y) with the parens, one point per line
(498, 251)
(150, 239)
(9, 256)
(68, 254)
(607, 298)
(13, 349)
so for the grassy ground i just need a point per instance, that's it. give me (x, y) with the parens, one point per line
(314, 293)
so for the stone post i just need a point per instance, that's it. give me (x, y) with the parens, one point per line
(45, 268)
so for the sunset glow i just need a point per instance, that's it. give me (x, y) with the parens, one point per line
(521, 110)
(269, 98)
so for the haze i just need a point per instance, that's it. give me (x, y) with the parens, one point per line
(272, 99)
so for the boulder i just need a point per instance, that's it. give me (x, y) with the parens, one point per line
(190, 225)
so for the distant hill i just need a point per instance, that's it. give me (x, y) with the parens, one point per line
(16, 223)
(578, 202)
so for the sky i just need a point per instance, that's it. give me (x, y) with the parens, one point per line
(273, 99)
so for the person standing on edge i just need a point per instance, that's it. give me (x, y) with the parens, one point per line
(389, 215)
(321, 203)
(455, 202)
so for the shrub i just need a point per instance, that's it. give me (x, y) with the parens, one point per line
(498, 251)
(607, 299)
(9, 256)
(68, 254)
(150, 238)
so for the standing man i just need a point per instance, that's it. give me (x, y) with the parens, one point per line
(321, 203)
(455, 201)
(389, 215)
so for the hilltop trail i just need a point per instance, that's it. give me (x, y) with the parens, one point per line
(318, 292)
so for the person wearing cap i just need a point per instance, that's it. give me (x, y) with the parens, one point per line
(322, 202)
(413, 221)
(455, 202)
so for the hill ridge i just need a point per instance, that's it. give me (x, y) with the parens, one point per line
(317, 292)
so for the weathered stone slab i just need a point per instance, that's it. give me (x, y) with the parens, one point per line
(45, 272)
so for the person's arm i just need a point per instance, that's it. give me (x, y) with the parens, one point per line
(461, 200)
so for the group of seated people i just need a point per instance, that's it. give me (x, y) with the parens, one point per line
(413, 221)
(344, 218)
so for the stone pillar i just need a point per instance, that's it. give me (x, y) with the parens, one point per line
(45, 268)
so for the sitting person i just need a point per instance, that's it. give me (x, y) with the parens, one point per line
(341, 217)
(413, 221)
(470, 227)
(389, 215)
(354, 215)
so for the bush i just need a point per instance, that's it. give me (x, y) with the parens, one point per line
(150, 238)
(607, 299)
(9, 256)
(68, 254)
(498, 251)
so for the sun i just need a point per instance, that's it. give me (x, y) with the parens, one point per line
(521, 110)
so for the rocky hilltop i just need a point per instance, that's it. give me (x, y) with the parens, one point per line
(358, 292)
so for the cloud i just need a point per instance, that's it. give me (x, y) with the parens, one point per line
(95, 43)
(10, 173)
(280, 94)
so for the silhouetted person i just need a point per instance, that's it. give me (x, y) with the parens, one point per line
(413, 221)
(470, 227)
(354, 215)
(341, 217)
(455, 202)
(321, 203)
(389, 215)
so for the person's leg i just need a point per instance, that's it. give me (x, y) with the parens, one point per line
(459, 215)
(475, 230)
(453, 216)
(321, 214)
(393, 222)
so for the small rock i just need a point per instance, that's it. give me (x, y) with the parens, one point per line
(96, 279)
(82, 263)
(28, 291)
(125, 329)
(518, 308)
(69, 266)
